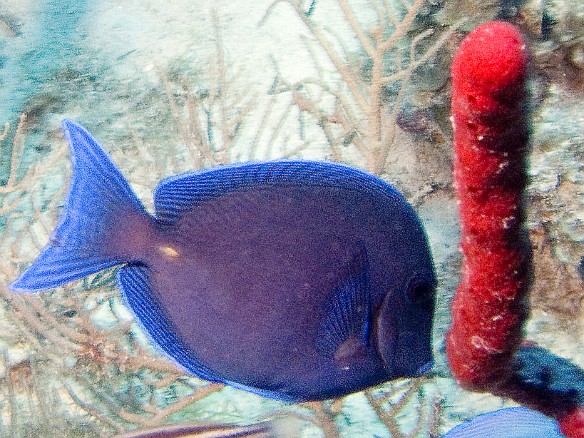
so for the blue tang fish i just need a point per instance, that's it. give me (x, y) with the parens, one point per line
(297, 280)
(516, 422)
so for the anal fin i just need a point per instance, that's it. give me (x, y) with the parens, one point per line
(134, 282)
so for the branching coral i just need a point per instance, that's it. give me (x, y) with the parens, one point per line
(214, 119)
(402, 409)
(358, 117)
(210, 119)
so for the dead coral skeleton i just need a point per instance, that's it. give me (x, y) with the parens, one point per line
(212, 118)
(406, 408)
(360, 126)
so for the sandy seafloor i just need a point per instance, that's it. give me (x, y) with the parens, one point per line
(102, 63)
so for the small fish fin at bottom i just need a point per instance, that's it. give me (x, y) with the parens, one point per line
(203, 430)
(344, 330)
(517, 422)
(133, 281)
(99, 199)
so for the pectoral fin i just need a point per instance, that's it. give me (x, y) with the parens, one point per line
(344, 330)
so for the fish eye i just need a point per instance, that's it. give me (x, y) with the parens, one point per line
(421, 293)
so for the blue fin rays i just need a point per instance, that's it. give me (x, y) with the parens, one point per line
(137, 293)
(180, 193)
(99, 198)
(348, 312)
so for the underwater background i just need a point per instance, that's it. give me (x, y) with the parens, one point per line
(172, 86)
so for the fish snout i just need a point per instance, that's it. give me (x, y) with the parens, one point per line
(404, 329)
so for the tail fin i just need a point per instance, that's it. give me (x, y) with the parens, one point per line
(99, 204)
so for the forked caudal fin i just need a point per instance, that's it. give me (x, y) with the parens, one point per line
(99, 211)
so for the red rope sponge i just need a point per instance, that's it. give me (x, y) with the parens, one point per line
(572, 425)
(491, 137)
(489, 118)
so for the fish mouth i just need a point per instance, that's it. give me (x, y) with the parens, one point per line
(425, 368)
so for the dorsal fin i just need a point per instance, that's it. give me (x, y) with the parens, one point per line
(180, 193)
